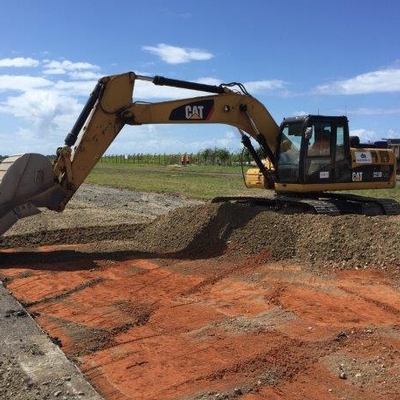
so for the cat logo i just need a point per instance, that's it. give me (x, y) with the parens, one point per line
(194, 111)
(357, 176)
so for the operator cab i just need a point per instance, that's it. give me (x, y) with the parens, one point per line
(313, 149)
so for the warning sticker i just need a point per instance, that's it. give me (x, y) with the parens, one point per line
(324, 175)
(363, 157)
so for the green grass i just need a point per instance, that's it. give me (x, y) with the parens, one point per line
(384, 193)
(202, 182)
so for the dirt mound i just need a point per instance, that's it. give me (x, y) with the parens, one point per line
(211, 229)
(202, 231)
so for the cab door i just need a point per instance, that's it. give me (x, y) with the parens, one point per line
(319, 162)
(325, 157)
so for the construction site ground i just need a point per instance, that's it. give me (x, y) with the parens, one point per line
(159, 297)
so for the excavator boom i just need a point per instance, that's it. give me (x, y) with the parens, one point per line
(111, 107)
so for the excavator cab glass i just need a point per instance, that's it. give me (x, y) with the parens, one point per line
(325, 157)
(317, 150)
(289, 152)
(319, 161)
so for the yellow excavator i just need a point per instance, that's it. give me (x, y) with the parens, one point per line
(305, 160)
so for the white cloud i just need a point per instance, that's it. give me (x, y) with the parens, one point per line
(75, 88)
(53, 67)
(381, 81)
(369, 136)
(365, 135)
(147, 91)
(208, 81)
(40, 110)
(264, 86)
(228, 140)
(85, 75)
(185, 138)
(22, 83)
(18, 62)
(178, 55)
(143, 139)
(43, 109)
(54, 71)
(393, 133)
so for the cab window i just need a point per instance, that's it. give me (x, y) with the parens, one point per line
(320, 140)
(340, 156)
(289, 156)
(319, 162)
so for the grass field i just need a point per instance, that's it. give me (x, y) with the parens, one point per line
(202, 182)
(193, 181)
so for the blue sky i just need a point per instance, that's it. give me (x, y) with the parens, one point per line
(297, 57)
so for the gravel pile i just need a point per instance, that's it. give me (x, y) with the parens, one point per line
(348, 241)
(169, 224)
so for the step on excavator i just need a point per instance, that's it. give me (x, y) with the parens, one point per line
(305, 160)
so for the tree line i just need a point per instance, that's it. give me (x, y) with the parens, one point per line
(208, 156)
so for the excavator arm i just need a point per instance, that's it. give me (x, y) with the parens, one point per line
(31, 181)
(110, 108)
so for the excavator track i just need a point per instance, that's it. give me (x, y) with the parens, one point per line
(355, 204)
(285, 204)
(328, 204)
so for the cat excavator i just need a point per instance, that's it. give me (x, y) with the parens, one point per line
(305, 160)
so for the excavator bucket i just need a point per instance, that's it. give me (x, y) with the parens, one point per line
(27, 182)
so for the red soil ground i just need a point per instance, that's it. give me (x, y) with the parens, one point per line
(223, 315)
(197, 329)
